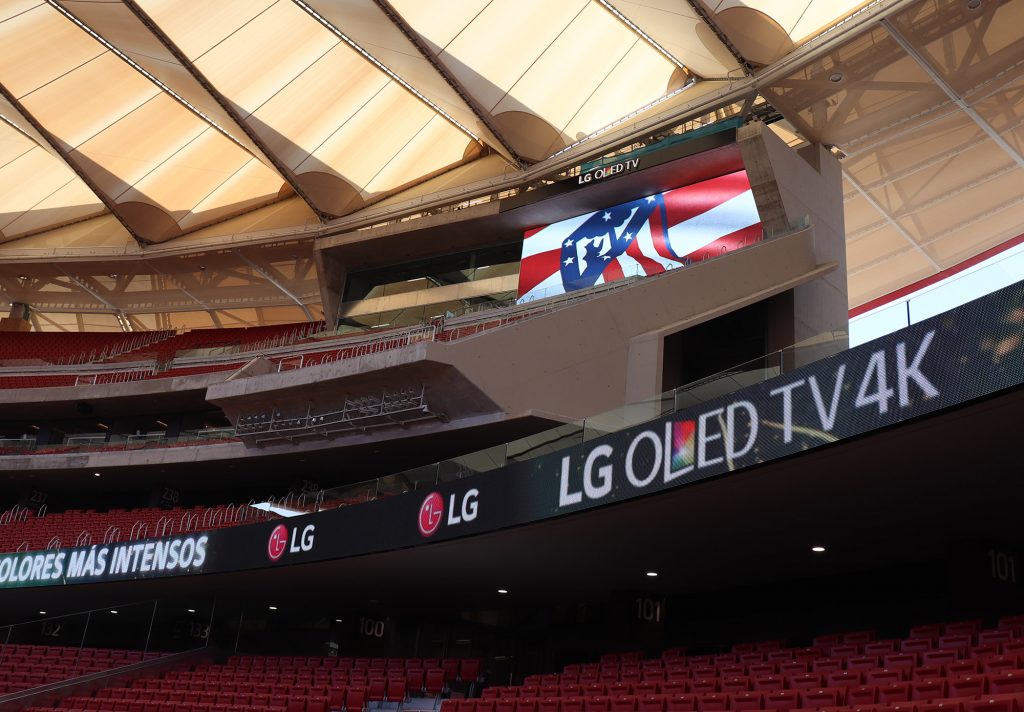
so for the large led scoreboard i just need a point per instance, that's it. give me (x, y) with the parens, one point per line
(642, 237)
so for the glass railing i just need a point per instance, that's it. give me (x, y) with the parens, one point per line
(575, 433)
(59, 647)
(972, 283)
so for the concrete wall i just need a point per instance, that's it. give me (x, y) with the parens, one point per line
(603, 353)
(789, 185)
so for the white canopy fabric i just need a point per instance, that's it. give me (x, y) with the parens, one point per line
(129, 126)
(173, 115)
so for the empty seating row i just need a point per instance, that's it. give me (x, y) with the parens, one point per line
(810, 698)
(1005, 702)
(373, 689)
(956, 667)
(72, 347)
(243, 684)
(23, 667)
(766, 676)
(994, 669)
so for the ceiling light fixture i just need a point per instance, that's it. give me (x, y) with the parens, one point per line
(114, 612)
(818, 549)
(503, 590)
(273, 608)
(652, 574)
(95, 474)
(835, 77)
(191, 610)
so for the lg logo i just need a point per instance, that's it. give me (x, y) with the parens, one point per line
(278, 542)
(432, 511)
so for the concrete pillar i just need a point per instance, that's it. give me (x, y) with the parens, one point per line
(18, 319)
(331, 274)
(790, 186)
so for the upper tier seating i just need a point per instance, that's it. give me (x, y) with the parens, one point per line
(270, 336)
(25, 666)
(76, 527)
(72, 347)
(116, 347)
(957, 667)
(282, 684)
(289, 346)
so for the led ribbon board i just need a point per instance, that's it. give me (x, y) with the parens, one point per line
(967, 353)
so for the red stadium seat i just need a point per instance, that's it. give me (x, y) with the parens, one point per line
(1006, 682)
(996, 703)
(651, 703)
(434, 681)
(781, 700)
(823, 697)
(746, 701)
(680, 703)
(712, 702)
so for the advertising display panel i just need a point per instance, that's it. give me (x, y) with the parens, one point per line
(642, 237)
(967, 353)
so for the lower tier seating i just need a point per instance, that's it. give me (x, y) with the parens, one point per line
(26, 666)
(957, 667)
(282, 684)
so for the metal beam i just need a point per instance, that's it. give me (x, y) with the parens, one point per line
(654, 44)
(85, 287)
(274, 281)
(181, 287)
(58, 148)
(286, 173)
(892, 222)
(478, 110)
(330, 27)
(56, 5)
(942, 84)
(706, 18)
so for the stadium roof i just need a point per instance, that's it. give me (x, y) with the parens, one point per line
(170, 129)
